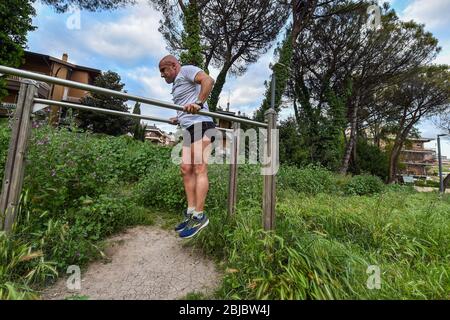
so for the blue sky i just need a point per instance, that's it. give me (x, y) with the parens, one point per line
(127, 41)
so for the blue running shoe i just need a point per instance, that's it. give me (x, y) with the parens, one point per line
(194, 226)
(182, 225)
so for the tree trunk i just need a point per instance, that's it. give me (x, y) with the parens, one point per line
(351, 141)
(302, 11)
(393, 159)
(354, 158)
(220, 82)
(398, 145)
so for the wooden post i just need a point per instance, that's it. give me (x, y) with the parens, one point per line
(15, 163)
(232, 185)
(268, 205)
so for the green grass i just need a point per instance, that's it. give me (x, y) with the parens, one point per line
(324, 244)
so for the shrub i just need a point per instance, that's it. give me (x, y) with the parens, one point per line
(95, 219)
(371, 159)
(67, 165)
(364, 185)
(163, 187)
(310, 180)
(427, 183)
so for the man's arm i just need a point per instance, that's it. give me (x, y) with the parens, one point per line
(207, 84)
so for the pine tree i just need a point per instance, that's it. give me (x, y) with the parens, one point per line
(105, 123)
(138, 128)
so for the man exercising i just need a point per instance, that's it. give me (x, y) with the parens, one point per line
(191, 88)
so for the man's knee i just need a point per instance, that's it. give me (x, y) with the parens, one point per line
(186, 169)
(200, 168)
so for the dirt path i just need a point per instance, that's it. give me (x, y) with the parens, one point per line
(145, 263)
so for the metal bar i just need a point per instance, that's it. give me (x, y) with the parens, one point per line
(268, 204)
(86, 87)
(108, 111)
(232, 183)
(441, 181)
(224, 129)
(269, 182)
(15, 164)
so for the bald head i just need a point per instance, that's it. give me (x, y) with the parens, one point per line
(169, 60)
(169, 66)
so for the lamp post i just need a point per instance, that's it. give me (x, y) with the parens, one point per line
(441, 181)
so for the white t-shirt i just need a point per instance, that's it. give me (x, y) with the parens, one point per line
(185, 91)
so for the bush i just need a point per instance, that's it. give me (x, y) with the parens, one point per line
(371, 159)
(427, 183)
(95, 219)
(309, 180)
(68, 165)
(163, 187)
(364, 185)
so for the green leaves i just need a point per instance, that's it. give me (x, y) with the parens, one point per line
(15, 23)
(364, 185)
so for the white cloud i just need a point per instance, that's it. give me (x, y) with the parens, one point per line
(434, 13)
(151, 83)
(123, 37)
(247, 92)
(132, 37)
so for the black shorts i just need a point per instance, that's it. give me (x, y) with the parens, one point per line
(206, 128)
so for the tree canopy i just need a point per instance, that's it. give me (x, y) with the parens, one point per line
(105, 123)
(15, 23)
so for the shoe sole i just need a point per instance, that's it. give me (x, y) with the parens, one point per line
(200, 229)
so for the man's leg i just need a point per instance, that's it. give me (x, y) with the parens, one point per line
(187, 171)
(201, 152)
